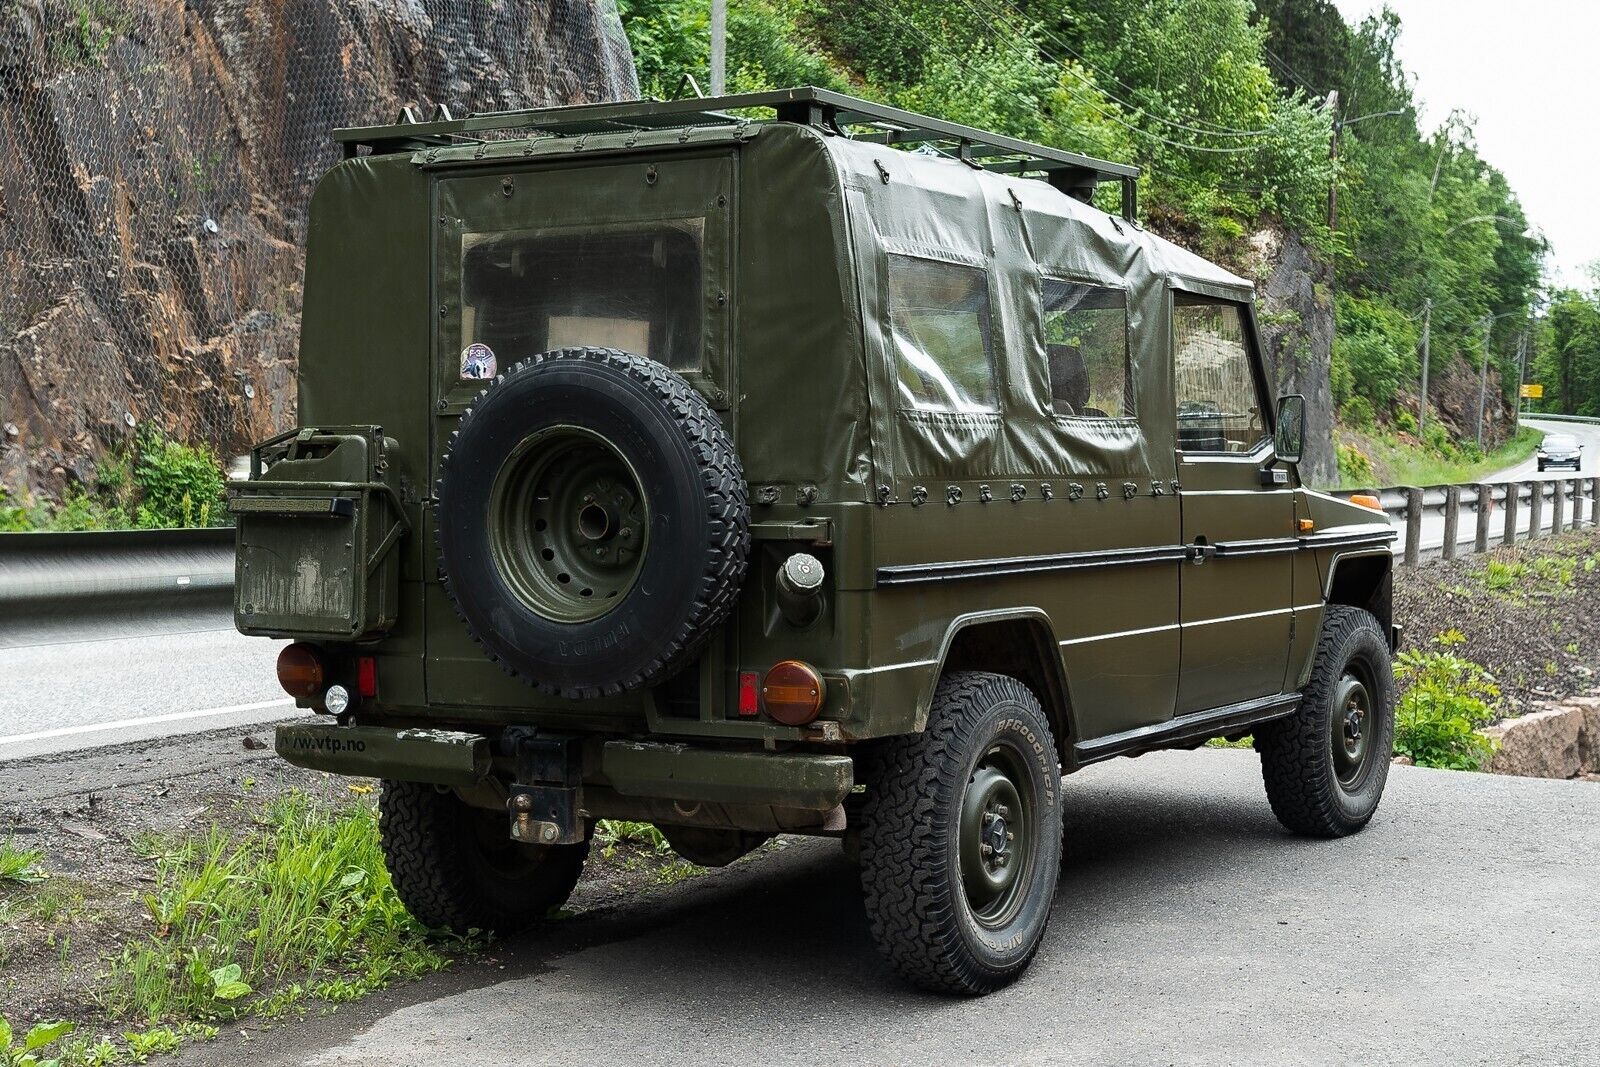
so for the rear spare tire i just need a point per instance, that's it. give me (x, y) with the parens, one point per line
(591, 521)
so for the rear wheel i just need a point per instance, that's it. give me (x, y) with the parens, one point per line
(456, 868)
(961, 837)
(1325, 766)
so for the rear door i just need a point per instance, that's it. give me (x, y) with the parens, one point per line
(633, 254)
(1236, 594)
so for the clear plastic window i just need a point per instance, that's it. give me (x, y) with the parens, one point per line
(942, 335)
(1219, 406)
(1086, 338)
(637, 288)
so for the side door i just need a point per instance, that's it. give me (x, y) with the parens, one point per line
(1236, 593)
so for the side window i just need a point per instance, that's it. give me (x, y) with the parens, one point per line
(1219, 406)
(942, 334)
(1086, 337)
(636, 288)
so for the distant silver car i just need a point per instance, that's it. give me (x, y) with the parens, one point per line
(1560, 450)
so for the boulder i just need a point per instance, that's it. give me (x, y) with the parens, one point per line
(1541, 745)
(1589, 736)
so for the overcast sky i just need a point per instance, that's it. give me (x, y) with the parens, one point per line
(1530, 72)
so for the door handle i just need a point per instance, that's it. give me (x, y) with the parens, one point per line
(1201, 551)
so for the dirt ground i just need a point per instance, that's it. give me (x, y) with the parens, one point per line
(93, 815)
(1529, 613)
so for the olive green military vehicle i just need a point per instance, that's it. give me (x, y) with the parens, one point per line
(834, 471)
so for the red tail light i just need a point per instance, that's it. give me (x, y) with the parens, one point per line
(367, 676)
(749, 699)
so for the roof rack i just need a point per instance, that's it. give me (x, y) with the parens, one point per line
(1076, 175)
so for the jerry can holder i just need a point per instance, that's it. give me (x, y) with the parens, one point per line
(318, 526)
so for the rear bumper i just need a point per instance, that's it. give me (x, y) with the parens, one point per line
(440, 757)
(645, 770)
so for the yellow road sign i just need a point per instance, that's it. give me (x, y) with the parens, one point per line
(1533, 391)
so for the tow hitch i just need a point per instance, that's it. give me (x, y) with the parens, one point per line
(545, 800)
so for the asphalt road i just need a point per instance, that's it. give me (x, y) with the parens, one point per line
(1466, 531)
(65, 688)
(1463, 927)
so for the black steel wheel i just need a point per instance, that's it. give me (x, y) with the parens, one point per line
(456, 868)
(1325, 766)
(961, 837)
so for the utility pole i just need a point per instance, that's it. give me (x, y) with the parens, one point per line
(719, 47)
(1333, 157)
(1483, 377)
(1522, 377)
(1422, 401)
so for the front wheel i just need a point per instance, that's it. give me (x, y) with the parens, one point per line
(1325, 766)
(961, 837)
(455, 867)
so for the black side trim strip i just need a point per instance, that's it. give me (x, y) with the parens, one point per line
(1062, 561)
(1349, 540)
(1196, 726)
(1266, 546)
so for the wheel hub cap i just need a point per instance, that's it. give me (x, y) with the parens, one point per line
(1352, 729)
(995, 842)
(568, 524)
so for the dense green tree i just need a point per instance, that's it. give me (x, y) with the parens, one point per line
(1224, 103)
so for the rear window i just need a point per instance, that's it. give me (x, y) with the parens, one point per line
(637, 288)
(942, 334)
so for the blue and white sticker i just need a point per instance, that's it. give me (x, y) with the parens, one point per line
(477, 362)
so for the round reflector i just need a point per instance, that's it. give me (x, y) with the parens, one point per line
(792, 692)
(300, 670)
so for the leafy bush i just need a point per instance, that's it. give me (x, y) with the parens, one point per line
(178, 484)
(1404, 421)
(1447, 698)
(1355, 469)
(1357, 411)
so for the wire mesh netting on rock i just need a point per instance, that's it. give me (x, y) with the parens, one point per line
(156, 159)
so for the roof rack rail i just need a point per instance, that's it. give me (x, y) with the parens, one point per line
(1076, 175)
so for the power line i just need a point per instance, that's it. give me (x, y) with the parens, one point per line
(1217, 129)
(1118, 119)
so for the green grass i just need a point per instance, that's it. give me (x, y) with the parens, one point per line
(301, 902)
(1405, 461)
(19, 866)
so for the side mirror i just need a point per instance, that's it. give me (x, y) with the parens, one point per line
(1290, 440)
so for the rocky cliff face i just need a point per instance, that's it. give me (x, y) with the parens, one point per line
(156, 157)
(1295, 311)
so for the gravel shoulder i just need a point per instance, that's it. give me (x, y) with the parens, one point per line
(1529, 613)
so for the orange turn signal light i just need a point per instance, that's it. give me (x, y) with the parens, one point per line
(1366, 500)
(792, 692)
(300, 670)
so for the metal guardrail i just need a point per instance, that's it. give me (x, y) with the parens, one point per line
(1586, 419)
(78, 573)
(1573, 503)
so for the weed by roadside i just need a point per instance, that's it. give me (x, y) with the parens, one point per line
(304, 898)
(1446, 698)
(157, 484)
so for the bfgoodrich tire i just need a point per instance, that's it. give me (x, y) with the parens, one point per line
(1326, 765)
(456, 868)
(961, 837)
(592, 521)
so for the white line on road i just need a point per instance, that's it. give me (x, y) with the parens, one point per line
(149, 720)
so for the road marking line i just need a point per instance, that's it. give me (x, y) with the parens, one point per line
(149, 720)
